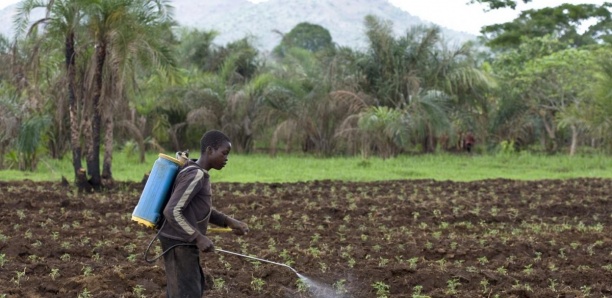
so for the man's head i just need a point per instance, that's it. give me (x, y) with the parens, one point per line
(213, 139)
(215, 146)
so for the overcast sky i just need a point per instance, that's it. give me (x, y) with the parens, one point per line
(454, 14)
(458, 15)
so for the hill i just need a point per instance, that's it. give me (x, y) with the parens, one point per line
(235, 19)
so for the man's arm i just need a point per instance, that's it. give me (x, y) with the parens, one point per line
(218, 218)
(188, 184)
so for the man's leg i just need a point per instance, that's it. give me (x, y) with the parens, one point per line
(183, 272)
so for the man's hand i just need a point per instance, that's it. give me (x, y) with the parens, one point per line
(204, 244)
(237, 226)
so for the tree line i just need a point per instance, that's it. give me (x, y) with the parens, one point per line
(95, 76)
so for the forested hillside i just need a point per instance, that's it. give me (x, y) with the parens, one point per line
(265, 21)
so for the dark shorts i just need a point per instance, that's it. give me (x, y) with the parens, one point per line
(184, 275)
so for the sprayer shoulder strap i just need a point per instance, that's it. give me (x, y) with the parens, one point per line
(183, 170)
(174, 184)
(187, 167)
(162, 220)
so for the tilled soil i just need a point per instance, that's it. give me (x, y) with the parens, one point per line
(411, 238)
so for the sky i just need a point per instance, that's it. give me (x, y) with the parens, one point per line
(470, 18)
(460, 16)
(455, 14)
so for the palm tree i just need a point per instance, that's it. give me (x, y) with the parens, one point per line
(5, 58)
(220, 89)
(62, 20)
(10, 118)
(379, 132)
(308, 101)
(124, 35)
(415, 72)
(390, 67)
(244, 89)
(242, 111)
(137, 44)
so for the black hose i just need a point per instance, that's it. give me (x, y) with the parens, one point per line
(164, 252)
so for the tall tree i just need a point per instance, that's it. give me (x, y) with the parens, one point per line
(10, 118)
(311, 37)
(111, 40)
(122, 34)
(138, 44)
(563, 21)
(5, 58)
(221, 89)
(558, 86)
(514, 119)
(599, 113)
(196, 49)
(62, 19)
(401, 72)
(304, 105)
(497, 4)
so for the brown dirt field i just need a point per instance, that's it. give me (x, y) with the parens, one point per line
(492, 238)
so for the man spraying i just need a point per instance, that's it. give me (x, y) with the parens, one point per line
(187, 215)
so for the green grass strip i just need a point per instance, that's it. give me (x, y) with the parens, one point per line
(293, 168)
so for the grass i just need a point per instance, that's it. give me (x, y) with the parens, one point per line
(293, 168)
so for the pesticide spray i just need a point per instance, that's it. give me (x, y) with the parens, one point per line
(315, 288)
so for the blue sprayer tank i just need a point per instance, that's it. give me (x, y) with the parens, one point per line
(156, 192)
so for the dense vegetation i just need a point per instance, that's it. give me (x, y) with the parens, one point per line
(98, 75)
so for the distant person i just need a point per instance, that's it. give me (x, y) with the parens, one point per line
(468, 142)
(187, 215)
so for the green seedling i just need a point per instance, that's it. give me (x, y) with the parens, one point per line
(21, 214)
(87, 270)
(416, 292)
(351, 262)
(138, 291)
(382, 289)
(586, 290)
(257, 284)
(340, 287)
(19, 275)
(452, 285)
(84, 294)
(54, 273)
(552, 284)
(219, 283)
(323, 266)
(302, 287)
(484, 283)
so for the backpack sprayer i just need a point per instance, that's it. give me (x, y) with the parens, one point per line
(157, 190)
(156, 193)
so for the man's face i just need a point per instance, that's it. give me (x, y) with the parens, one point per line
(219, 156)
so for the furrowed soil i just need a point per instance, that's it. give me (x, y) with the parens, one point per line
(412, 238)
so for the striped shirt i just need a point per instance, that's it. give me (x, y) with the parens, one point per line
(189, 209)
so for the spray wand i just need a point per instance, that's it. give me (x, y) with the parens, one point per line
(258, 259)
